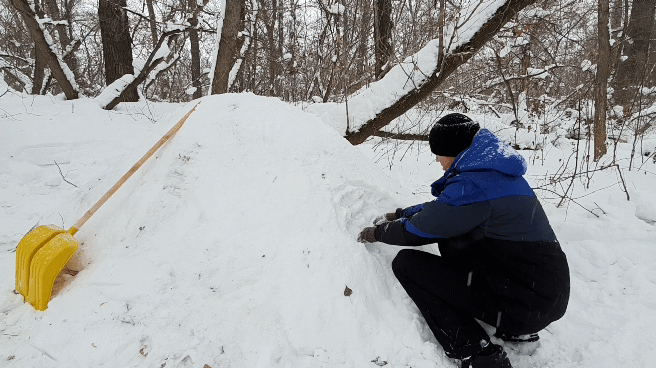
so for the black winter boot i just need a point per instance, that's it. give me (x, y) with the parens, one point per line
(520, 344)
(517, 338)
(492, 356)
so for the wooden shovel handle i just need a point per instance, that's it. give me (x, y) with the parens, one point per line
(127, 175)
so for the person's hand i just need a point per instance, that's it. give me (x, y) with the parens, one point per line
(367, 235)
(385, 218)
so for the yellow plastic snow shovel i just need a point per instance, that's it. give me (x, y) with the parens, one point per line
(44, 251)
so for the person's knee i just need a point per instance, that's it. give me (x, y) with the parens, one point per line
(401, 261)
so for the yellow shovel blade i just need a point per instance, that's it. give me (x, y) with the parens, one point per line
(40, 257)
(27, 247)
(46, 265)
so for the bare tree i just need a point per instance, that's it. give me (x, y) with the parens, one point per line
(152, 20)
(195, 46)
(117, 43)
(601, 84)
(39, 74)
(632, 71)
(227, 45)
(244, 40)
(151, 66)
(382, 35)
(67, 44)
(427, 81)
(363, 46)
(46, 50)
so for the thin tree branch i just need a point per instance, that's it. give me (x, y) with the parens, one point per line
(402, 136)
(62, 175)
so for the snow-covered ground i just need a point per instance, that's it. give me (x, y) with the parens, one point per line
(235, 246)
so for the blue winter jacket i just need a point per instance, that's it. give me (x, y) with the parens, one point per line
(487, 219)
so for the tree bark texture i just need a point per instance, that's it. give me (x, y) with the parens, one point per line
(442, 21)
(363, 45)
(227, 46)
(39, 74)
(152, 21)
(43, 48)
(195, 49)
(601, 83)
(269, 18)
(631, 72)
(195, 58)
(451, 62)
(117, 43)
(247, 21)
(336, 56)
(62, 32)
(382, 35)
(617, 25)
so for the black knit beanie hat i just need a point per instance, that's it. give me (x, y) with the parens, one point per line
(452, 134)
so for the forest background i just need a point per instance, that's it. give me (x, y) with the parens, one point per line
(541, 62)
(570, 84)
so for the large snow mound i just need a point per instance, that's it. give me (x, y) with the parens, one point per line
(234, 246)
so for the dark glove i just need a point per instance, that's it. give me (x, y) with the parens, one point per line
(385, 218)
(367, 235)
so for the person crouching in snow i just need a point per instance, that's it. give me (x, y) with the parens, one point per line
(499, 262)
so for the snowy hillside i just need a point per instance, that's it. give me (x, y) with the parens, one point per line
(235, 246)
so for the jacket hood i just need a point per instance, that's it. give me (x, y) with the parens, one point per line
(486, 153)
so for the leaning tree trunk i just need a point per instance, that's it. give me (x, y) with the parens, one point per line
(117, 43)
(227, 46)
(149, 70)
(62, 31)
(58, 68)
(425, 81)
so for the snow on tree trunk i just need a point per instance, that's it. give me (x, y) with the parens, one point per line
(217, 42)
(46, 49)
(409, 82)
(245, 40)
(382, 35)
(227, 28)
(62, 31)
(117, 91)
(116, 43)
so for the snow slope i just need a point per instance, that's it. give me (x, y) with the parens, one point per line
(235, 246)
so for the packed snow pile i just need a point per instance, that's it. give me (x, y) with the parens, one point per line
(235, 245)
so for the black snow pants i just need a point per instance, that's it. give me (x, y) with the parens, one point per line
(442, 292)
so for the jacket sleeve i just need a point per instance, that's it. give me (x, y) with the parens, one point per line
(408, 211)
(451, 215)
(394, 233)
(441, 220)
